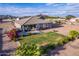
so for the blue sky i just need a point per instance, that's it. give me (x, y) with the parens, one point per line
(52, 9)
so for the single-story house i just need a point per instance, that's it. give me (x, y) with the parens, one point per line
(5, 20)
(32, 23)
(74, 19)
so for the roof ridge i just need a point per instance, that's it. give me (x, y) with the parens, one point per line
(28, 19)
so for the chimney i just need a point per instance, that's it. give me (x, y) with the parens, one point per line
(17, 19)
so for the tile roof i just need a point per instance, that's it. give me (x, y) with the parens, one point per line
(31, 20)
(22, 21)
(35, 20)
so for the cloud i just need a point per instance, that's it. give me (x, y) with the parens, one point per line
(52, 9)
(48, 4)
(18, 11)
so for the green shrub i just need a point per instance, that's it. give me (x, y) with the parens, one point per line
(45, 49)
(66, 39)
(12, 34)
(28, 50)
(73, 34)
(60, 42)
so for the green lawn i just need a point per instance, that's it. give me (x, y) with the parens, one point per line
(43, 39)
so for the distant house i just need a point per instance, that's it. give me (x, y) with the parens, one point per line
(5, 20)
(32, 23)
(74, 19)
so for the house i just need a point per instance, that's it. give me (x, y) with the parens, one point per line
(59, 20)
(32, 23)
(6, 20)
(74, 20)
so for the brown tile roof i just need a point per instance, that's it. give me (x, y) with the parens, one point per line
(35, 20)
(31, 20)
(22, 21)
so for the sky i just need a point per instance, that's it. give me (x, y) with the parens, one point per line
(30, 9)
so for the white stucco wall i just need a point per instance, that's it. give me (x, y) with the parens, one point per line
(18, 26)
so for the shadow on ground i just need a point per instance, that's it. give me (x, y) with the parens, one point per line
(56, 51)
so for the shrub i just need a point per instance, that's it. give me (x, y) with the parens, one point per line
(45, 49)
(66, 39)
(28, 50)
(60, 42)
(12, 34)
(73, 34)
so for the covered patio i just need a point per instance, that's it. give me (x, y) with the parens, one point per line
(39, 26)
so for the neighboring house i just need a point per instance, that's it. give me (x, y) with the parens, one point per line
(7, 20)
(74, 19)
(32, 23)
(59, 19)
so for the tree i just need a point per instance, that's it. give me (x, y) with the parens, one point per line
(69, 17)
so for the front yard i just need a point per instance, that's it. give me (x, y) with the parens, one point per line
(42, 39)
(47, 40)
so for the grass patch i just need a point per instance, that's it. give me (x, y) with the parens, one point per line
(50, 37)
